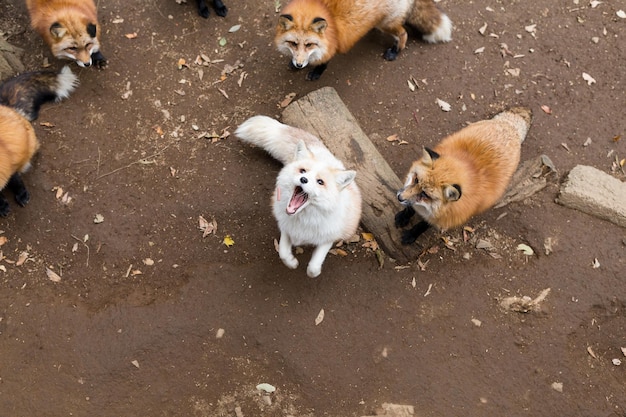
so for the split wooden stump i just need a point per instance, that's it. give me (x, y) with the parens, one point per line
(323, 113)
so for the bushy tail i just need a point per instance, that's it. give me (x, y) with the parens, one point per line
(27, 92)
(277, 139)
(519, 117)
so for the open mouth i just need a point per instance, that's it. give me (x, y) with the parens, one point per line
(297, 200)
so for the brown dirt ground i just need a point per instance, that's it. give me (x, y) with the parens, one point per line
(139, 161)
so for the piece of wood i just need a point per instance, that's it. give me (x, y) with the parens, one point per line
(323, 113)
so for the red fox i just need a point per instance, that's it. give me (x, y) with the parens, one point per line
(70, 28)
(20, 100)
(464, 175)
(313, 31)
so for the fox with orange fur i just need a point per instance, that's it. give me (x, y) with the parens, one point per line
(464, 175)
(311, 32)
(20, 100)
(70, 28)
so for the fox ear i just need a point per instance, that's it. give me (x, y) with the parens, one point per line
(302, 152)
(429, 156)
(91, 30)
(344, 178)
(285, 21)
(452, 192)
(319, 25)
(57, 30)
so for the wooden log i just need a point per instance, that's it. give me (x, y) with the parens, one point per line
(323, 113)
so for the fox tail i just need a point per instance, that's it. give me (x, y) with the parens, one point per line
(27, 92)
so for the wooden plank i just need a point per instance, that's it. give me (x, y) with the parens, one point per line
(323, 113)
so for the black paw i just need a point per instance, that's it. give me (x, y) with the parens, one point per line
(220, 8)
(4, 206)
(391, 54)
(410, 235)
(99, 60)
(316, 72)
(203, 9)
(404, 216)
(16, 185)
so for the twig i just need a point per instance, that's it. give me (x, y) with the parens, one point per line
(132, 163)
(85, 245)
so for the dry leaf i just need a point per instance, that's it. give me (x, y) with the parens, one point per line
(22, 258)
(98, 219)
(148, 262)
(546, 109)
(444, 105)
(3, 240)
(131, 35)
(482, 29)
(526, 250)
(287, 100)
(53, 276)
(320, 317)
(206, 226)
(479, 50)
(590, 80)
(135, 363)
(392, 138)
(46, 124)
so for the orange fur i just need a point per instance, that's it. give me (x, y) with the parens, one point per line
(18, 143)
(313, 31)
(471, 171)
(69, 27)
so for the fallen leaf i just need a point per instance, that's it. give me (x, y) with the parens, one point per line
(206, 226)
(590, 80)
(266, 387)
(98, 219)
(320, 317)
(621, 14)
(52, 276)
(596, 263)
(3, 240)
(22, 258)
(526, 250)
(287, 100)
(222, 41)
(479, 50)
(482, 29)
(392, 138)
(131, 35)
(444, 105)
(546, 109)
(135, 363)
(411, 85)
(234, 28)
(46, 124)
(228, 241)
(591, 352)
(148, 262)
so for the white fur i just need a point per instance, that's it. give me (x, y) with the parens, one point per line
(443, 33)
(332, 210)
(66, 83)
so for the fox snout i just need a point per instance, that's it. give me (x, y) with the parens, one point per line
(299, 65)
(401, 199)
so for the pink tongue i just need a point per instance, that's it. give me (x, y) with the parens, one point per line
(297, 200)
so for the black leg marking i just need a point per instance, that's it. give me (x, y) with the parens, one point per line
(316, 72)
(203, 9)
(403, 217)
(16, 185)
(410, 235)
(220, 8)
(4, 206)
(99, 60)
(392, 53)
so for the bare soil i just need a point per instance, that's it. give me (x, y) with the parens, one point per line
(131, 328)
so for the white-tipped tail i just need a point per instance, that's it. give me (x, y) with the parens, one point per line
(443, 33)
(519, 117)
(66, 83)
(277, 139)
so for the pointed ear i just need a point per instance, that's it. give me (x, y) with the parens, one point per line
(344, 178)
(429, 156)
(57, 30)
(91, 30)
(285, 21)
(302, 152)
(452, 192)
(319, 25)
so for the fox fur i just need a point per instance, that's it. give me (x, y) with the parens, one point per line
(311, 32)
(20, 100)
(464, 175)
(70, 28)
(316, 201)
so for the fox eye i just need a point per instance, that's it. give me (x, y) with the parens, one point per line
(309, 45)
(73, 48)
(302, 171)
(320, 182)
(292, 43)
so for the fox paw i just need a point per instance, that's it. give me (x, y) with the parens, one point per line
(314, 271)
(4, 207)
(290, 262)
(22, 197)
(221, 9)
(404, 216)
(391, 54)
